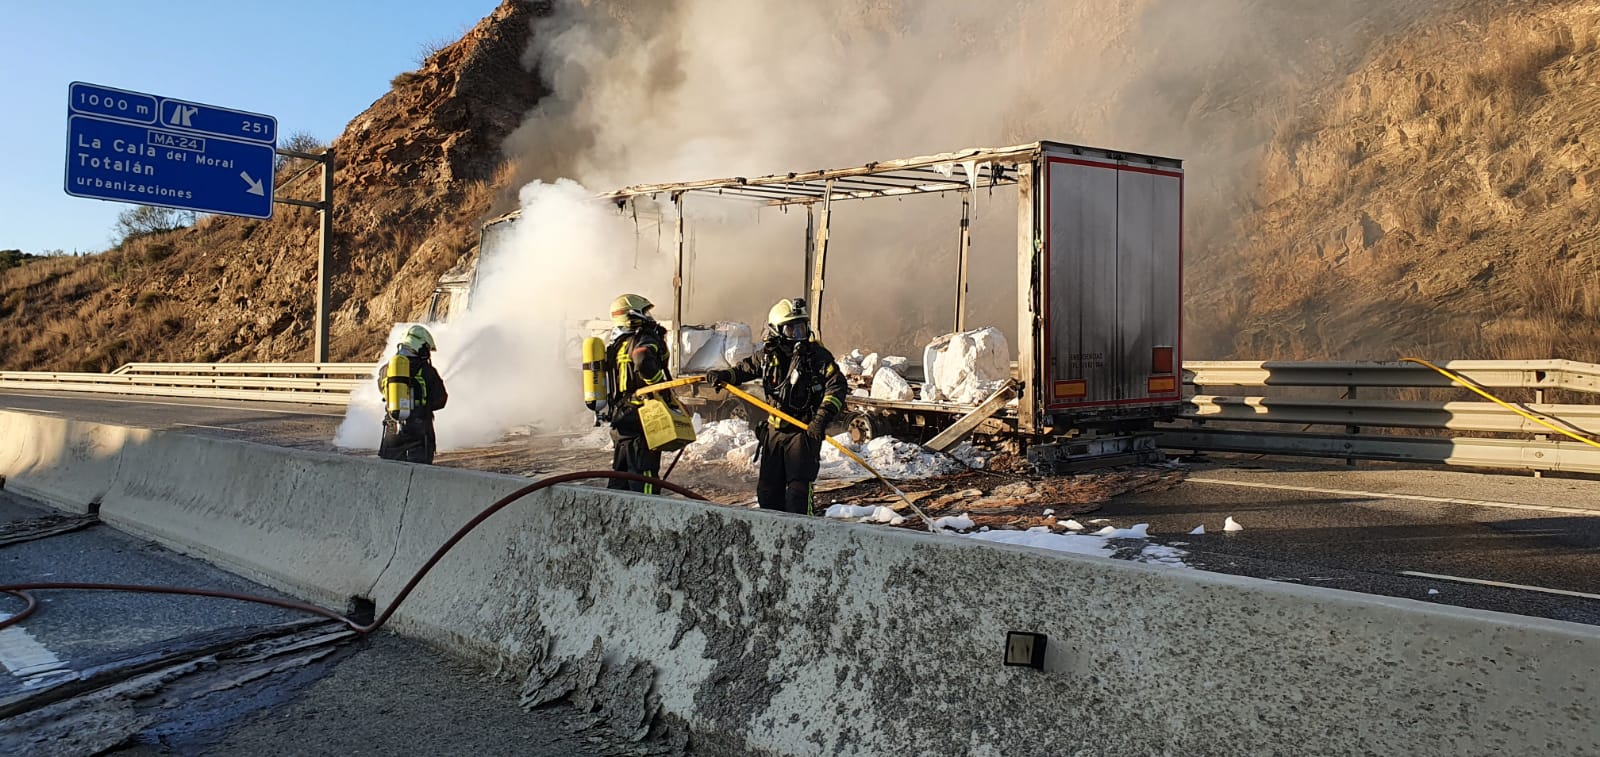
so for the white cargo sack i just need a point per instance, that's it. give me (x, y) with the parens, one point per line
(888, 385)
(965, 367)
(850, 365)
(717, 347)
(737, 343)
(693, 341)
(869, 365)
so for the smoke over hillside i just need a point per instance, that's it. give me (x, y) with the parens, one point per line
(649, 92)
(693, 89)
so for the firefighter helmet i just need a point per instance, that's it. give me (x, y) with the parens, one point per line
(629, 308)
(790, 319)
(417, 338)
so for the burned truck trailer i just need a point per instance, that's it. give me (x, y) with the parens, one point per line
(1099, 265)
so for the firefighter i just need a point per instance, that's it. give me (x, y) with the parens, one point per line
(636, 357)
(800, 378)
(413, 392)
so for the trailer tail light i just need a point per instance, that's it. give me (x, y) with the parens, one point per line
(1076, 389)
(1162, 384)
(1161, 361)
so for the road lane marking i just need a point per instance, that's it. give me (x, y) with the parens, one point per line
(26, 658)
(1390, 495)
(153, 402)
(202, 425)
(1501, 584)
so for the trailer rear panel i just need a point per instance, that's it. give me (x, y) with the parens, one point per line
(1110, 276)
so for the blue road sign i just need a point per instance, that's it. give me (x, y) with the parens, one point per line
(133, 147)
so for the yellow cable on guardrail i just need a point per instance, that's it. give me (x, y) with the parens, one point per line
(1500, 402)
(741, 394)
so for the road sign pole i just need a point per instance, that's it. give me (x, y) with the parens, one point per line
(324, 241)
(324, 208)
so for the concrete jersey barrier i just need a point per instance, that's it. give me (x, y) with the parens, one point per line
(808, 636)
(767, 632)
(70, 464)
(320, 526)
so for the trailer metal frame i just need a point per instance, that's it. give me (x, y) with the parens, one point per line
(965, 172)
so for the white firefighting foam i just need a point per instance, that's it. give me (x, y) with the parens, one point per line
(733, 443)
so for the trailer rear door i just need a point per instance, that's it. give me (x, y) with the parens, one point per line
(1111, 273)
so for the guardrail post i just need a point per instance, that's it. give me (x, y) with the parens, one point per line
(1538, 399)
(1350, 394)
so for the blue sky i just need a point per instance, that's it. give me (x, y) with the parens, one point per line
(312, 65)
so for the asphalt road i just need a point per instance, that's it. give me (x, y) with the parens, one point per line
(380, 696)
(288, 424)
(1365, 529)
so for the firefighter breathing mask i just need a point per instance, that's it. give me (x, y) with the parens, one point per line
(797, 331)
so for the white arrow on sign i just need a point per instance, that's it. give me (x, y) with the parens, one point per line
(255, 186)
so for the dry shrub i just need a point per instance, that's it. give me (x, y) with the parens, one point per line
(1510, 171)
(1514, 57)
(1555, 291)
(1536, 338)
(37, 272)
(1420, 212)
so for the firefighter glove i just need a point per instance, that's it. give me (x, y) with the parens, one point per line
(819, 426)
(719, 379)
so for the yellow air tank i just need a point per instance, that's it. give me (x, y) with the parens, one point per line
(397, 387)
(595, 390)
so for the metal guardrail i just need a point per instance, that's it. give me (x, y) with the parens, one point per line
(1453, 416)
(332, 383)
(1360, 416)
(1493, 374)
(352, 370)
(306, 383)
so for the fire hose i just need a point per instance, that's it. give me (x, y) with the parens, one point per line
(1486, 395)
(22, 590)
(775, 412)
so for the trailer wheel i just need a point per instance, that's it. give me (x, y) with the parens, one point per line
(862, 428)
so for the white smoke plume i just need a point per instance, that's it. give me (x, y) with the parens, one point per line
(512, 359)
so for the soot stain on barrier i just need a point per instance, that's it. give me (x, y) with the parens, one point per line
(615, 698)
(731, 588)
(728, 588)
(764, 600)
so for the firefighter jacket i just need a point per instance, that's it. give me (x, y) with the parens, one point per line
(636, 359)
(427, 389)
(802, 380)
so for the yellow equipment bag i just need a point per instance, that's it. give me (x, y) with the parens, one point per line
(666, 426)
(397, 387)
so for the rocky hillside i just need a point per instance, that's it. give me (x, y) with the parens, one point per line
(1432, 191)
(1442, 199)
(416, 173)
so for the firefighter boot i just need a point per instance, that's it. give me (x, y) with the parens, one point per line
(797, 498)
